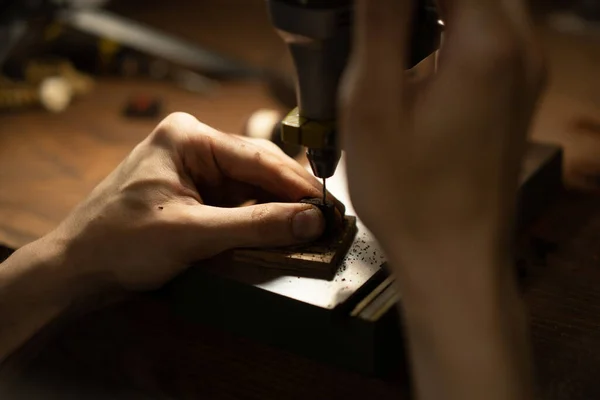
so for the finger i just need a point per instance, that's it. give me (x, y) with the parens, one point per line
(262, 225)
(299, 169)
(273, 156)
(260, 196)
(474, 21)
(482, 54)
(376, 71)
(450, 9)
(266, 143)
(211, 156)
(381, 36)
(523, 22)
(229, 194)
(216, 156)
(203, 147)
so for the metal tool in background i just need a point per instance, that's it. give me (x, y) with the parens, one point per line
(318, 34)
(137, 36)
(22, 24)
(50, 83)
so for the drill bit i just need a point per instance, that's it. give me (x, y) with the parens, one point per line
(324, 192)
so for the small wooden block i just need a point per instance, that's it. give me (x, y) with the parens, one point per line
(319, 259)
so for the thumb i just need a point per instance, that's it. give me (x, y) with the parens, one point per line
(264, 225)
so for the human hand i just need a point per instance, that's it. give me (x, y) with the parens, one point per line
(437, 160)
(433, 169)
(175, 199)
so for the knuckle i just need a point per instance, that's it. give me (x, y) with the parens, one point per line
(261, 214)
(261, 217)
(266, 144)
(180, 119)
(256, 141)
(265, 158)
(173, 125)
(280, 168)
(265, 219)
(257, 156)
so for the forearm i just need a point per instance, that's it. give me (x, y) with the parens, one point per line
(36, 286)
(466, 327)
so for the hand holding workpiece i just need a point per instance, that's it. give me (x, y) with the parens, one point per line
(433, 171)
(174, 200)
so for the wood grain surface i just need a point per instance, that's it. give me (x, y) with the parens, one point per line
(138, 350)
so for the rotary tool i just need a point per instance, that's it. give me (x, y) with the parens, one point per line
(319, 36)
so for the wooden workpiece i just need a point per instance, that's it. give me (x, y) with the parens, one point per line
(319, 259)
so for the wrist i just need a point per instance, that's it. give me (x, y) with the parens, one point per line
(476, 290)
(481, 252)
(50, 261)
(42, 265)
(464, 320)
(466, 269)
(459, 338)
(36, 288)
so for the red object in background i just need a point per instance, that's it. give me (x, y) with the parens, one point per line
(143, 106)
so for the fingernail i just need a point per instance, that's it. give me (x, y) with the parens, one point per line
(308, 224)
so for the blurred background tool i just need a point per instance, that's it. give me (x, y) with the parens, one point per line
(143, 106)
(24, 25)
(52, 84)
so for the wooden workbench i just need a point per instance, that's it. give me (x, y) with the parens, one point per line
(48, 163)
(137, 349)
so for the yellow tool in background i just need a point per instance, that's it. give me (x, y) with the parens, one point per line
(52, 84)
